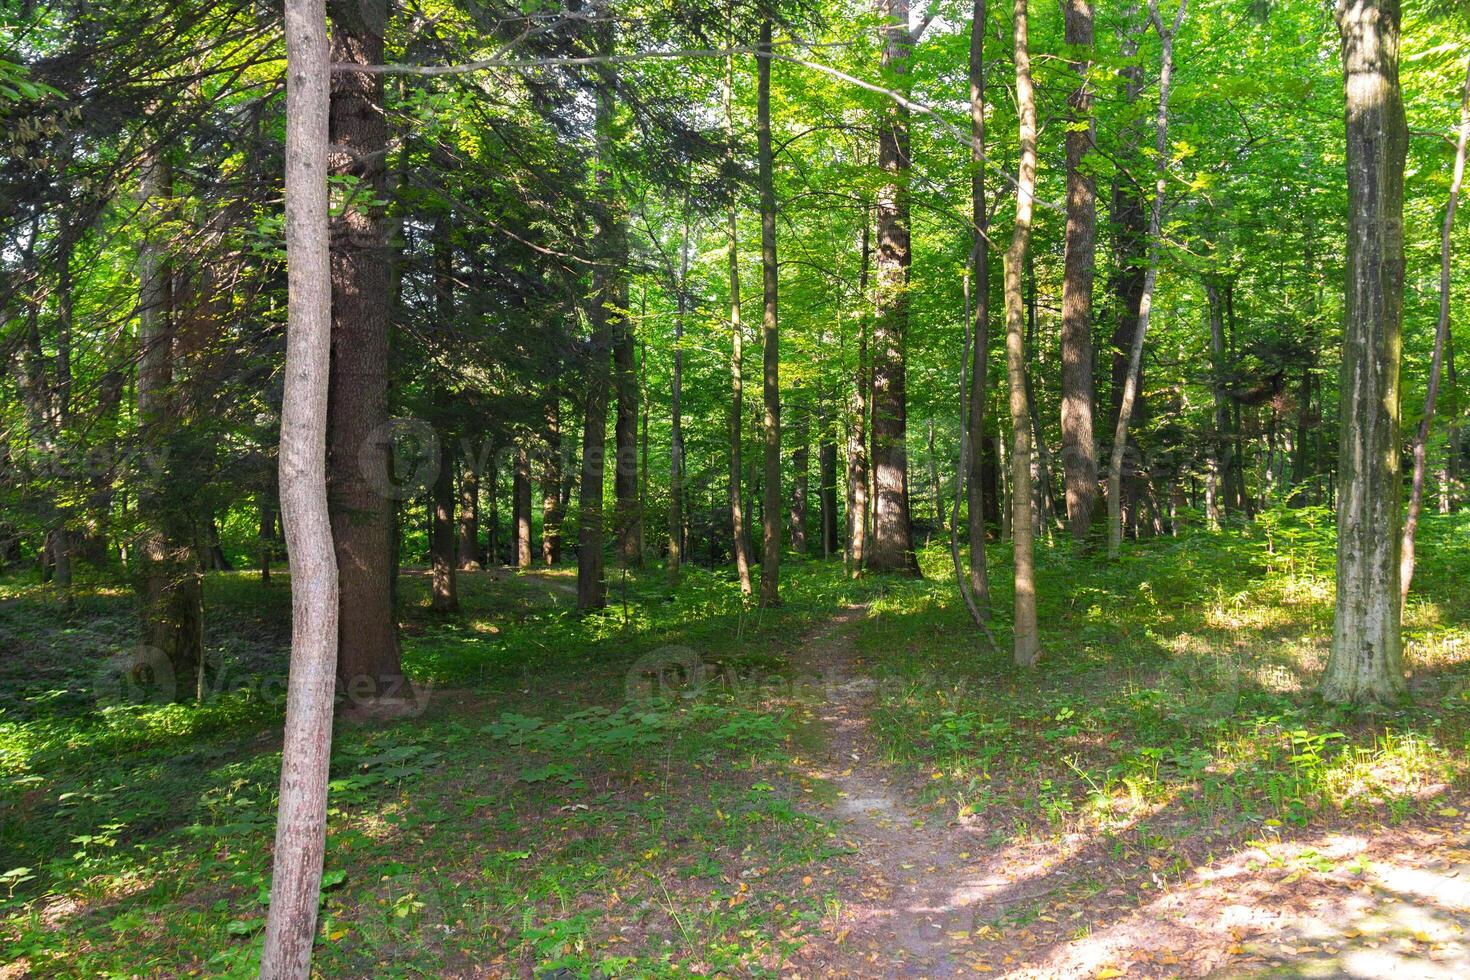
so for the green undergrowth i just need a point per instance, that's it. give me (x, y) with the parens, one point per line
(531, 816)
(1175, 696)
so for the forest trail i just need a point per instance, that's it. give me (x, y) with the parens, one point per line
(920, 890)
(1387, 904)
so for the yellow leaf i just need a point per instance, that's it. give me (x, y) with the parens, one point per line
(1108, 972)
(1448, 811)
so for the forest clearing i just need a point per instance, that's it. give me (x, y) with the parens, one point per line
(583, 488)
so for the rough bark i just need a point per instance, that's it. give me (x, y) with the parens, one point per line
(893, 542)
(1441, 341)
(301, 822)
(369, 663)
(1079, 448)
(1027, 645)
(1366, 663)
(770, 594)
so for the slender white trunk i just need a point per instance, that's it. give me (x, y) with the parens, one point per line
(301, 824)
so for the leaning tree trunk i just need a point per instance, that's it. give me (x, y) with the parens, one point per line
(1079, 449)
(770, 335)
(1150, 276)
(978, 365)
(1366, 663)
(893, 537)
(1027, 648)
(1441, 339)
(358, 466)
(171, 606)
(301, 823)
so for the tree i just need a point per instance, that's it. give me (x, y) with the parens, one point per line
(1079, 449)
(770, 333)
(1027, 643)
(979, 324)
(893, 538)
(740, 538)
(171, 603)
(1441, 343)
(301, 823)
(1366, 663)
(1150, 275)
(358, 464)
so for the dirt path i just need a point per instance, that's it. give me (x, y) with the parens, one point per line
(916, 908)
(1369, 902)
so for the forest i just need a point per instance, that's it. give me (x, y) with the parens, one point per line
(770, 488)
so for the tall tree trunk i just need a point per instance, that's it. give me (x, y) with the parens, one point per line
(1079, 448)
(603, 313)
(467, 551)
(827, 477)
(676, 412)
(893, 541)
(1366, 663)
(800, 475)
(979, 365)
(521, 497)
(301, 822)
(170, 591)
(770, 334)
(551, 477)
(1222, 448)
(739, 537)
(935, 490)
(1449, 471)
(857, 429)
(1150, 276)
(369, 662)
(1129, 222)
(444, 589)
(1027, 650)
(492, 510)
(1441, 340)
(629, 515)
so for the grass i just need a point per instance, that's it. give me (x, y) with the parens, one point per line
(1176, 693)
(534, 817)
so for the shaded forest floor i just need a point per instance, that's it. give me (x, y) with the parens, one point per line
(852, 784)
